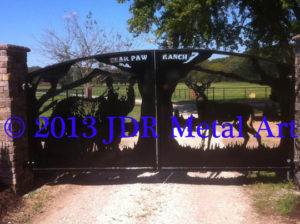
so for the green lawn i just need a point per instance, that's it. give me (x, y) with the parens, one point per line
(136, 112)
(225, 91)
(217, 91)
(272, 198)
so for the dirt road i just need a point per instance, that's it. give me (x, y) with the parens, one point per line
(165, 197)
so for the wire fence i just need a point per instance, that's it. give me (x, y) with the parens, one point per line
(213, 93)
(180, 94)
(231, 93)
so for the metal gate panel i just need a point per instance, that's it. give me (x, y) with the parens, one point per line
(152, 79)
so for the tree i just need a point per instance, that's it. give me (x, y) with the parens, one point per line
(33, 68)
(263, 27)
(234, 65)
(78, 41)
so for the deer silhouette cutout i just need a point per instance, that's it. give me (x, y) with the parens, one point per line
(210, 111)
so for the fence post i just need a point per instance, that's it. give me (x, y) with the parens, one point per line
(297, 112)
(14, 152)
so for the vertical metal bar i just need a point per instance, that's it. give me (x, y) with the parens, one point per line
(266, 93)
(156, 112)
(223, 93)
(213, 93)
(207, 93)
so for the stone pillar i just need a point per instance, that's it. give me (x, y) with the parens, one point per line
(14, 171)
(297, 111)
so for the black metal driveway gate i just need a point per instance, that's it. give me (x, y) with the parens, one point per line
(65, 140)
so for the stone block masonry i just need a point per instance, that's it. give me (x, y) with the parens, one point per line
(14, 171)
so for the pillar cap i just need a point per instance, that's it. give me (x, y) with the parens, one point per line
(11, 47)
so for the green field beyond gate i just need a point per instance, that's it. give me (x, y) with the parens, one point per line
(218, 91)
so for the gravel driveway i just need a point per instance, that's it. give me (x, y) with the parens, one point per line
(165, 197)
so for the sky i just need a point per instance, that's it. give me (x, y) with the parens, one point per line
(23, 22)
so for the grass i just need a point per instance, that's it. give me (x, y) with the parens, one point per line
(218, 91)
(32, 204)
(136, 112)
(287, 203)
(273, 198)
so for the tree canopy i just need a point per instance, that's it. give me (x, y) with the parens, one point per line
(234, 65)
(264, 27)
